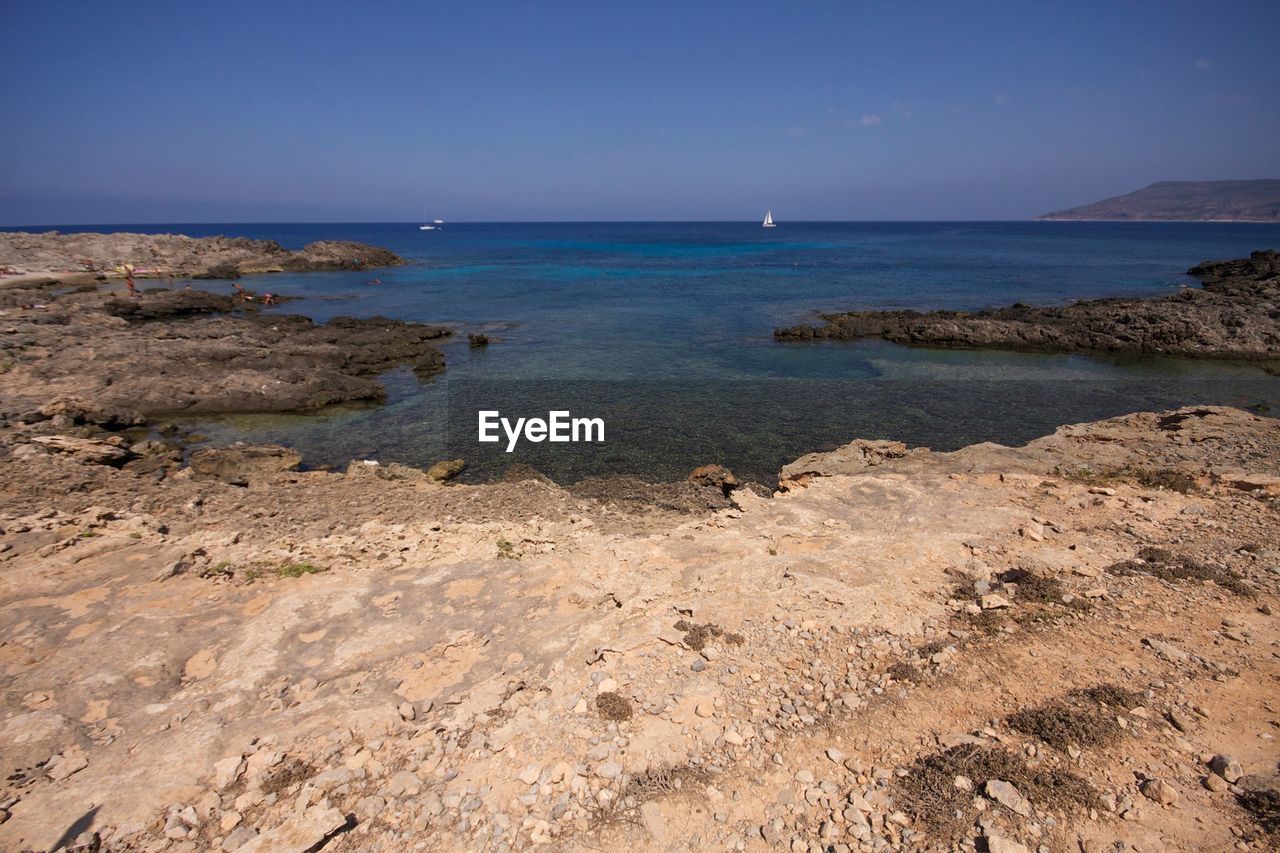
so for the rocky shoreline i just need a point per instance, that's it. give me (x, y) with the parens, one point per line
(89, 255)
(112, 359)
(90, 373)
(897, 650)
(900, 652)
(1235, 315)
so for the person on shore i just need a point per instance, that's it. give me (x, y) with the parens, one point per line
(128, 281)
(268, 299)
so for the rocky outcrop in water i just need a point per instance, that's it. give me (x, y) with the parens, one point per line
(88, 356)
(1236, 314)
(179, 256)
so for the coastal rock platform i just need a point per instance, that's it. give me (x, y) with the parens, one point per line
(31, 255)
(1067, 645)
(1235, 315)
(187, 351)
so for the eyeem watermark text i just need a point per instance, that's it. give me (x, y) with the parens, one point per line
(558, 427)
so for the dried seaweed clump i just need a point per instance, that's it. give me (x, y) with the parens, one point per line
(928, 793)
(1263, 805)
(1147, 478)
(1033, 587)
(905, 673)
(1167, 566)
(660, 782)
(1110, 694)
(613, 706)
(696, 635)
(1064, 724)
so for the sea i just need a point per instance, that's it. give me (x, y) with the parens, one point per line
(664, 331)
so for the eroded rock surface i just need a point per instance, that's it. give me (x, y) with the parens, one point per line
(356, 662)
(103, 357)
(240, 463)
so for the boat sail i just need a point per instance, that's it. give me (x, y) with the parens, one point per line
(768, 219)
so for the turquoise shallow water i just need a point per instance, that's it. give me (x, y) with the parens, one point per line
(665, 329)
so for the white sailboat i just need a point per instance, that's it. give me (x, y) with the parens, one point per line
(431, 226)
(768, 219)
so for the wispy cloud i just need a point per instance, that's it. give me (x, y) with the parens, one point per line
(871, 120)
(1204, 64)
(1002, 99)
(797, 131)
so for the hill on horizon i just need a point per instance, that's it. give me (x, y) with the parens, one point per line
(1237, 201)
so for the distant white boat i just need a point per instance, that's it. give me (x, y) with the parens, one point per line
(768, 219)
(438, 221)
(426, 228)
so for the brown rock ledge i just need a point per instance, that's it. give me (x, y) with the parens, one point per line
(98, 358)
(176, 255)
(1236, 314)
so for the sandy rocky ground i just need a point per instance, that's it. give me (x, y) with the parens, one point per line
(1070, 645)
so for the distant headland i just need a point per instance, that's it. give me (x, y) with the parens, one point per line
(1170, 201)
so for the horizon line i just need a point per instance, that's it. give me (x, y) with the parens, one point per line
(414, 222)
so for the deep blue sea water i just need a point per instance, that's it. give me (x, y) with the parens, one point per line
(665, 329)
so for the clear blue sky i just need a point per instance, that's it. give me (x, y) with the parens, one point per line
(339, 111)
